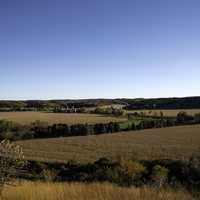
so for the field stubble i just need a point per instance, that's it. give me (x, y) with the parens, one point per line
(53, 118)
(166, 143)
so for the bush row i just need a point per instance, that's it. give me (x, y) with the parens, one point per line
(38, 129)
(122, 172)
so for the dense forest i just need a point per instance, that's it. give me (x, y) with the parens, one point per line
(163, 103)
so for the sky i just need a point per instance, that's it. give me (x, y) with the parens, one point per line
(71, 49)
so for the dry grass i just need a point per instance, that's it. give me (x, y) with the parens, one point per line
(168, 113)
(173, 143)
(51, 118)
(77, 191)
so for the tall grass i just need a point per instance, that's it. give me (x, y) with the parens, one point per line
(78, 191)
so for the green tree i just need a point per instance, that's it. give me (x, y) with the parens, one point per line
(197, 118)
(159, 175)
(183, 117)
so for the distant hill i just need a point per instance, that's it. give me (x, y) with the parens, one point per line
(153, 103)
(52, 104)
(164, 103)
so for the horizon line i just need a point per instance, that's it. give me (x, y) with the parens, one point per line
(101, 98)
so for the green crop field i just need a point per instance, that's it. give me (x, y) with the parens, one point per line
(173, 143)
(51, 118)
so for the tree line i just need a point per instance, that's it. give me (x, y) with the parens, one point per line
(163, 103)
(38, 129)
(122, 172)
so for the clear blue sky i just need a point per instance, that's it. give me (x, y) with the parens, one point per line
(52, 49)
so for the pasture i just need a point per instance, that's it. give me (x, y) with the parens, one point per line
(55, 118)
(167, 113)
(166, 143)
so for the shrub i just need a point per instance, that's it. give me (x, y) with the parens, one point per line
(197, 118)
(192, 171)
(159, 175)
(148, 124)
(183, 117)
(49, 175)
(99, 128)
(11, 162)
(133, 170)
(58, 130)
(140, 126)
(114, 175)
(5, 126)
(79, 129)
(133, 127)
(170, 122)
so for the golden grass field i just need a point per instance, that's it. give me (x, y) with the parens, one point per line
(174, 143)
(167, 113)
(51, 118)
(80, 191)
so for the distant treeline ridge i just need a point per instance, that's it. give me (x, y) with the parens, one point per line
(157, 103)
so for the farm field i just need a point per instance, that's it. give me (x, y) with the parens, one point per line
(81, 191)
(168, 113)
(51, 118)
(174, 143)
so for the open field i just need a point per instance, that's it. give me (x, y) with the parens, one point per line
(51, 118)
(80, 191)
(168, 113)
(173, 143)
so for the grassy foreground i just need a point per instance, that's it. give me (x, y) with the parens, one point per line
(78, 191)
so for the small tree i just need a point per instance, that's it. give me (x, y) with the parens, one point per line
(49, 175)
(11, 162)
(197, 118)
(183, 117)
(159, 175)
(133, 171)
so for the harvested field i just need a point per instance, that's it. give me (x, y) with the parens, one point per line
(168, 113)
(51, 118)
(173, 143)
